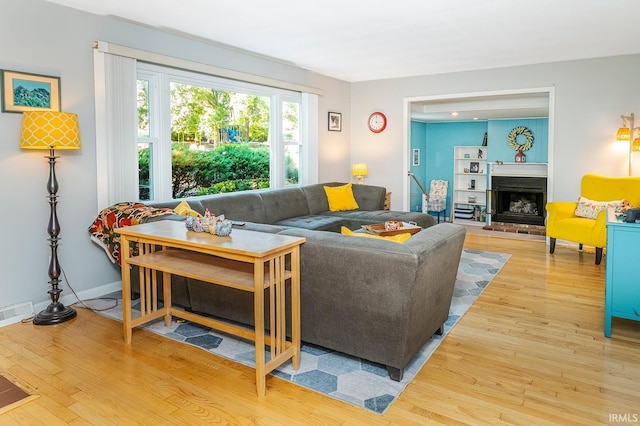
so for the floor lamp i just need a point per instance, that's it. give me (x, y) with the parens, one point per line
(52, 130)
(627, 133)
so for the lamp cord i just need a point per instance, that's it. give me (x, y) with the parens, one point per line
(81, 302)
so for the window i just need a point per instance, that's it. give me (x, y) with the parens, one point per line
(291, 140)
(200, 134)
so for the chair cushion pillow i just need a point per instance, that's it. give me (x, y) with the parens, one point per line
(590, 208)
(398, 238)
(340, 198)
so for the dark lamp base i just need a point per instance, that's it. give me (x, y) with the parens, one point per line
(55, 314)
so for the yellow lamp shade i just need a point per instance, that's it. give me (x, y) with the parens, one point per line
(635, 146)
(49, 129)
(624, 134)
(359, 169)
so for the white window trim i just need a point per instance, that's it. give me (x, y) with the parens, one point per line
(155, 58)
(165, 75)
(116, 120)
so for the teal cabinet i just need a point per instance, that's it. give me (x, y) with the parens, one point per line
(622, 298)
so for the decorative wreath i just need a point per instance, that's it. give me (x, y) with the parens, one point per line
(512, 139)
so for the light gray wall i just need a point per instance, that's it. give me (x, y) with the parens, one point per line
(44, 38)
(590, 96)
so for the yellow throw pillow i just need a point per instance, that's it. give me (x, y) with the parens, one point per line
(184, 209)
(340, 198)
(398, 238)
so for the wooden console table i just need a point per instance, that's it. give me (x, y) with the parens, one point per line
(245, 260)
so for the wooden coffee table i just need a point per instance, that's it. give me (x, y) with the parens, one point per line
(245, 260)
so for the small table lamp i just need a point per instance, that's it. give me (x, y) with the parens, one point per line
(359, 171)
(51, 130)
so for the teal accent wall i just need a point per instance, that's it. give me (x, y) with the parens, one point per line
(439, 140)
(499, 149)
(418, 138)
(436, 142)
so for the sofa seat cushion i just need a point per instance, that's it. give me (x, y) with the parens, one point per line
(573, 228)
(314, 222)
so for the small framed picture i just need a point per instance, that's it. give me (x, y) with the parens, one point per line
(335, 121)
(22, 91)
(474, 167)
(415, 157)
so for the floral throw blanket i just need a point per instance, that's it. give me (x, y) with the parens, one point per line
(118, 216)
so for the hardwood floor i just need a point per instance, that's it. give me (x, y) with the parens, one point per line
(530, 351)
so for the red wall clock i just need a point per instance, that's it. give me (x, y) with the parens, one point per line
(377, 122)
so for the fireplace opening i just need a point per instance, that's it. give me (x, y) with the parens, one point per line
(518, 199)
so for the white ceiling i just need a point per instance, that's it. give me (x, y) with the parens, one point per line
(356, 40)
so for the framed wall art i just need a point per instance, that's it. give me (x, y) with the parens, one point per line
(23, 91)
(335, 121)
(415, 157)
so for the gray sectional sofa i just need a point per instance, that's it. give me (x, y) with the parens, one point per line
(373, 299)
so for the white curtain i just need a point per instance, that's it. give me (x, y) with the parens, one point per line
(116, 128)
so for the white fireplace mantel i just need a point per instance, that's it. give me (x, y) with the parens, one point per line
(518, 169)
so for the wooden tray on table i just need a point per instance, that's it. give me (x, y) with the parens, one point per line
(379, 229)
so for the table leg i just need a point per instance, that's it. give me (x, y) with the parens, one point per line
(166, 292)
(126, 288)
(295, 306)
(258, 300)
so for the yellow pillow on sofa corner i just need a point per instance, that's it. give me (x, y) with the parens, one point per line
(398, 238)
(184, 209)
(341, 198)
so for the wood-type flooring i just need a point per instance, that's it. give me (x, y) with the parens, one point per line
(530, 351)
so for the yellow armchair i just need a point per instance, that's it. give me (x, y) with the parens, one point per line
(563, 223)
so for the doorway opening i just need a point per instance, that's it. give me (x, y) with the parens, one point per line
(477, 106)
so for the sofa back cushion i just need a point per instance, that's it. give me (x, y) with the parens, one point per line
(245, 205)
(280, 204)
(316, 197)
(604, 188)
(368, 197)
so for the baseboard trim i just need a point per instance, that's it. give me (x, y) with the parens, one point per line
(69, 298)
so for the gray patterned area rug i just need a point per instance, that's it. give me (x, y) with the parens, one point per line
(349, 379)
